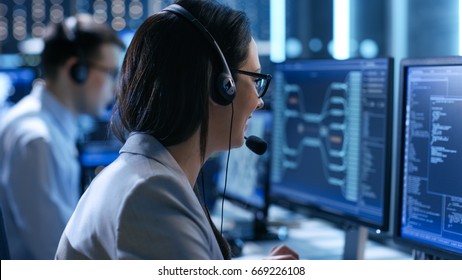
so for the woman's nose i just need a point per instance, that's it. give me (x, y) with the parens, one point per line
(260, 104)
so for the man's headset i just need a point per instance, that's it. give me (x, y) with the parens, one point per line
(79, 71)
(225, 86)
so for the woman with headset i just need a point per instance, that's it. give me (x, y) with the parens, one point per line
(189, 83)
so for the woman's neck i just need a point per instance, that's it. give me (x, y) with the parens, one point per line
(188, 156)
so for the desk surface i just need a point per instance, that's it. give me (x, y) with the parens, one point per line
(311, 238)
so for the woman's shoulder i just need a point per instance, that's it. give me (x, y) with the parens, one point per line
(162, 188)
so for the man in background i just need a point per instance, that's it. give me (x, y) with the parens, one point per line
(39, 168)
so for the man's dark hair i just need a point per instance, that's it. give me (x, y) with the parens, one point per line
(78, 36)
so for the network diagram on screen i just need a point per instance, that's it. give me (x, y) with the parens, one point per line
(330, 135)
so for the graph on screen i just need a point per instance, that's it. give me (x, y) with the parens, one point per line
(331, 135)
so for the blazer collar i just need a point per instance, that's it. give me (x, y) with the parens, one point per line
(148, 146)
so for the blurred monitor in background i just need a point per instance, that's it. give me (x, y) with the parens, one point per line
(247, 182)
(97, 145)
(14, 85)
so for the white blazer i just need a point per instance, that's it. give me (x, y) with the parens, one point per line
(139, 207)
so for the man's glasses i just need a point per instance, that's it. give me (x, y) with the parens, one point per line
(113, 73)
(262, 81)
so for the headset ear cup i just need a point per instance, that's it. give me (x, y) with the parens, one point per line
(225, 89)
(79, 73)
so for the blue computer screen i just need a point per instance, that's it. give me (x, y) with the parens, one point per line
(16, 83)
(331, 137)
(430, 189)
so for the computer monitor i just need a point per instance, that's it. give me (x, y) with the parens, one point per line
(126, 36)
(15, 83)
(331, 147)
(248, 180)
(429, 195)
(98, 146)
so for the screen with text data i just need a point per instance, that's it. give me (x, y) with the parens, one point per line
(430, 190)
(331, 137)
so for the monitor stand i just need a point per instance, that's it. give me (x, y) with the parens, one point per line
(253, 230)
(355, 242)
(260, 230)
(421, 255)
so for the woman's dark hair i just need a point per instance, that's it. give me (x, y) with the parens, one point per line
(170, 70)
(78, 36)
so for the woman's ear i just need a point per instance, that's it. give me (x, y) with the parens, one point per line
(213, 104)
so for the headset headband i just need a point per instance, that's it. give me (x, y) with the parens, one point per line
(225, 83)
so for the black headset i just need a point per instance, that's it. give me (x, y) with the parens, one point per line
(225, 86)
(79, 71)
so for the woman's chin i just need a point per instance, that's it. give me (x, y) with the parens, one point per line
(238, 142)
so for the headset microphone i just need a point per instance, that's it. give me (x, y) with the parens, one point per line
(256, 144)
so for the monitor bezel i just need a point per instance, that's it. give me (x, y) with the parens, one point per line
(334, 215)
(397, 238)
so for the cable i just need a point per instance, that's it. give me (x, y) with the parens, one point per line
(203, 188)
(226, 170)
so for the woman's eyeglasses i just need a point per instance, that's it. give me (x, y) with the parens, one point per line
(262, 81)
